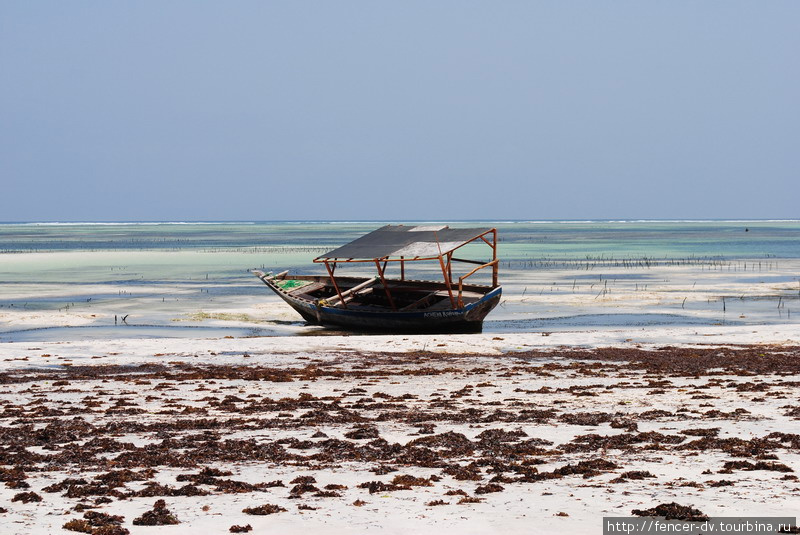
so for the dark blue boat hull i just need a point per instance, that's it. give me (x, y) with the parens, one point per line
(460, 320)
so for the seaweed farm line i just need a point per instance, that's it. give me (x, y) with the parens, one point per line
(720, 264)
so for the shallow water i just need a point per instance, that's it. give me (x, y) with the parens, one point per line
(100, 332)
(519, 239)
(299, 328)
(69, 281)
(594, 320)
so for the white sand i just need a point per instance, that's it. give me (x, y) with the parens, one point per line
(278, 350)
(520, 508)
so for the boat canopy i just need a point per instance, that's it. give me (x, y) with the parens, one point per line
(401, 242)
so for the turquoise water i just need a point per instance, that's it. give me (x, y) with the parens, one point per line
(164, 274)
(519, 240)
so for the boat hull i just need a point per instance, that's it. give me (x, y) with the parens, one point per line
(466, 319)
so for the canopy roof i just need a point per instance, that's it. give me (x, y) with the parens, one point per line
(394, 241)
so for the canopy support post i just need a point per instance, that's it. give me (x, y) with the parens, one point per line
(402, 268)
(447, 282)
(496, 266)
(450, 267)
(385, 286)
(335, 286)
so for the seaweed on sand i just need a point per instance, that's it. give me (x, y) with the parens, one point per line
(266, 509)
(26, 497)
(158, 516)
(673, 511)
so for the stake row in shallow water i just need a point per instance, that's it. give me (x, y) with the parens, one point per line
(711, 263)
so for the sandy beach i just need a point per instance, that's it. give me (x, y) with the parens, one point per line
(358, 434)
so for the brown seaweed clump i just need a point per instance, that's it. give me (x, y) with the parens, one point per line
(470, 472)
(380, 486)
(266, 509)
(81, 526)
(673, 511)
(411, 481)
(362, 432)
(206, 476)
(588, 468)
(159, 516)
(486, 489)
(632, 475)
(97, 523)
(730, 466)
(26, 497)
(720, 483)
(241, 529)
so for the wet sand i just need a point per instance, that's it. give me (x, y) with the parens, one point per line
(348, 440)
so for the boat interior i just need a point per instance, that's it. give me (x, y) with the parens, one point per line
(358, 292)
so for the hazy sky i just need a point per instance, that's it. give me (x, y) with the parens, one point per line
(173, 110)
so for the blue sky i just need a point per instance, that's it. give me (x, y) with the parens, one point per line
(261, 110)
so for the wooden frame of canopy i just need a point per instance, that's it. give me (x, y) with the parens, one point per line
(445, 258)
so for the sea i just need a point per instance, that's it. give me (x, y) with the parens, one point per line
(66, 281)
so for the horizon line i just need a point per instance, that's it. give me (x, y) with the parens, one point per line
(344, 221)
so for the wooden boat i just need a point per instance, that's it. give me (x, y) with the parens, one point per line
(399, 304)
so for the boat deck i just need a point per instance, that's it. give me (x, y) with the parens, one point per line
(408, 295)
